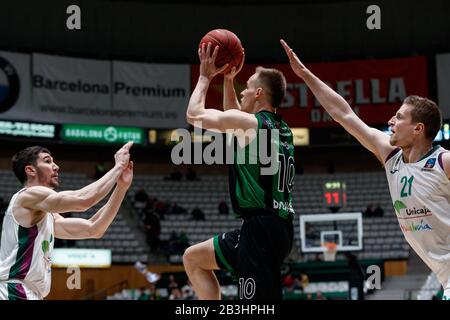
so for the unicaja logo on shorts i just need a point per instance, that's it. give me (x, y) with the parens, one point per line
(9, 85)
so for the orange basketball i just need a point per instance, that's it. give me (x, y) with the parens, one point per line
(230, 47)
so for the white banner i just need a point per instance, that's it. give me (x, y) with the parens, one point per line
(151, 95)
(83, 258)
(443, 83)
(15, 97)
(71, 90)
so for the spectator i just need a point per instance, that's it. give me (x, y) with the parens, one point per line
(187, 291)
(176, 175)
(223, 207)
(301, 282)
(378, 212)
(173, 284)
(144, 294)
(304, 279)
(369, 211)
(177, 243)
(184, 240)
(153, 230)
(100, 170)
(161, 208)
(309, 296)
(176, 209)
(141, 196)
(197, 214)
(356, 278)
(191, 175)
(288, 283)
(175, 294)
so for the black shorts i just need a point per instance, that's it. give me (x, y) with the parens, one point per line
(254, 255)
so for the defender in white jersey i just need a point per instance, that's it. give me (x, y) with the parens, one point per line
(33, 219)
(418, 173)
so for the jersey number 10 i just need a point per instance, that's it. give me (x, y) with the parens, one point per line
(286, 172)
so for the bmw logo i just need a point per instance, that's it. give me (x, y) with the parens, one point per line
(9, 85)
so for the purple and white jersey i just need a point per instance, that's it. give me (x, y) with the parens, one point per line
(25, 265)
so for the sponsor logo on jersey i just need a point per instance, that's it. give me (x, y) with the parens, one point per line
(398, 205)
(282, 205)
(410, 213)
(418, 212)
(45, 245)
(429, 164)
(415, 227)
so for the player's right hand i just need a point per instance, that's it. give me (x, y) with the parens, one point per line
(122, 157)
(296, 65)
(208, 61)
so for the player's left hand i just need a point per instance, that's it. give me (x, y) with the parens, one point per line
(207, 61)
(235, 70)
(126, 178)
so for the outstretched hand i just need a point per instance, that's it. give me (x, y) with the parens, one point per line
(122, 156)
(126, 178)
(296, 65)
(208, 61)
(234, 71)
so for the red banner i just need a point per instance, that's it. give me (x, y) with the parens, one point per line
(373, 88)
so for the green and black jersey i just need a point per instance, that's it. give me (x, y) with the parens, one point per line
(250, 187)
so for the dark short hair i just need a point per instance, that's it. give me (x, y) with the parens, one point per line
(425, 111)
(274, 82)
(25, 158)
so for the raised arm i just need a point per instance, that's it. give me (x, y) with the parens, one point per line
(198, 115)
(373, 139)
(230, 100)
(95, 227)
(45, 199)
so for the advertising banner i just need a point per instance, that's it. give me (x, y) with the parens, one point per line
(443, 83)
(71, 90)
(374, 89)
(151, 95)
(102, 134)
(15, 90)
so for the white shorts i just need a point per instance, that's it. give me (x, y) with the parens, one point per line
(16, 291)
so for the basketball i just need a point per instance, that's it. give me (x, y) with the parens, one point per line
(230, 47)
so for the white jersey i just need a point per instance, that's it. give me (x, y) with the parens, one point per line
(420, 193)
(25, 265)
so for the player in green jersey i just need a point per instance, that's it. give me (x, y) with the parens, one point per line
(260, 191)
